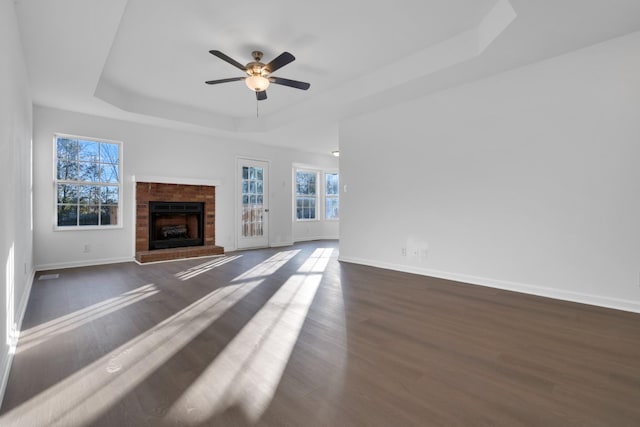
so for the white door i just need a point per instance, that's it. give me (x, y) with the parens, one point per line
(253, 201)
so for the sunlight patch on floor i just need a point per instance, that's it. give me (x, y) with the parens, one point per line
(317, 262)
(204, 267)
(248, 371)
(31, 337)
(269, 266)
(92, 390)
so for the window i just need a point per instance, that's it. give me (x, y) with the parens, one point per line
(306, 195)
(331, 196)
(87, 182)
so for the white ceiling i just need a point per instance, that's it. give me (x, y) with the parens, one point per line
(147, 60)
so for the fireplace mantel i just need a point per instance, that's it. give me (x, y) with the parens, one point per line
(173, 180)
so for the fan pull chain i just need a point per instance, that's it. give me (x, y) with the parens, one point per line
(257, 104)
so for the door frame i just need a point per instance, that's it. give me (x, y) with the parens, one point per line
(240, 160)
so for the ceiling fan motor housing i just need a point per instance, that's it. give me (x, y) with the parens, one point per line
(258, 73)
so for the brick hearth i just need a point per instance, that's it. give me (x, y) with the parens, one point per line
(160, 192)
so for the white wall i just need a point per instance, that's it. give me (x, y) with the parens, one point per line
(153, 151)
(16, 257)
(528, 180)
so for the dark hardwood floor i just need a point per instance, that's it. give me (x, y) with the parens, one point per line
(291, 337)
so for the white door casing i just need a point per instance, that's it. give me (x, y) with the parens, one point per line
(253, 204)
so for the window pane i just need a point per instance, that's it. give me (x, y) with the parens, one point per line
(109, 153)
(259, 187)
(67, 193)
(299, 208)
(67, 170)
(305, 182)
(67, 149)
(259, 174)
(245, 172)
(88, 215)
(109, 195)
(68, 215)
(245, 186)
(109, 215)
(332, 208)
(252, 173)
(89, 172)
(109, 173)
(89, 195)
(331, 183)
(88, 151)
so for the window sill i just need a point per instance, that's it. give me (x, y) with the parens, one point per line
(87, 227)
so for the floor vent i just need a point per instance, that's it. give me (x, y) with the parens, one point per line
(48, 276)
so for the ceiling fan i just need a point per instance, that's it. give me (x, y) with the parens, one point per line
(259, 74)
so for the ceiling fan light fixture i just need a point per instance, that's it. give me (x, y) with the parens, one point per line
(258, 74)
(257, 83)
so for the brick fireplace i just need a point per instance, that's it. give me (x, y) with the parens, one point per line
(147, 192)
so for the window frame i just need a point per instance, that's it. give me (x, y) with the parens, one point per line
(296, 195)
(328, 196)
(78, 182)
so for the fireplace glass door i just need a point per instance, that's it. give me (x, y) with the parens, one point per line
(253, 195)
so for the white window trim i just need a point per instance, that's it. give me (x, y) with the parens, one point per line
(324, 194)
(302, 168)
(320, 192)
(57, 227)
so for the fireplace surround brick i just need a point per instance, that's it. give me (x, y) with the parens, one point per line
(160, 192)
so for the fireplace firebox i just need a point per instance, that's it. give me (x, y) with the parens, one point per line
(175, 224)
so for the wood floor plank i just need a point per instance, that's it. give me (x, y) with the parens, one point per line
(291, 336)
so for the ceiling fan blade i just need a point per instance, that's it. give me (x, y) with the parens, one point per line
(283, 59)
(262, 95)
(232, 79)
(228, 59)
(291, 83)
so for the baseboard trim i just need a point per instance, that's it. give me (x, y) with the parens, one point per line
(87, 263)
(22, 309)
(559, 294)
(314, 238)
(280, 244)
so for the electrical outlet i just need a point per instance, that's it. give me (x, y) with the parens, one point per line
(403, 251)
(87, 248)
